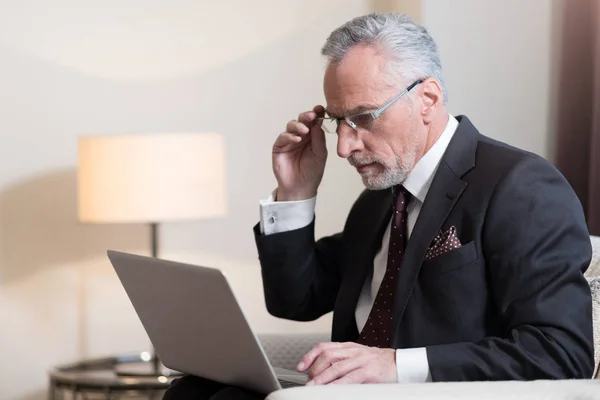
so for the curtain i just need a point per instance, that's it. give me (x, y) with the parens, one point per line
(577, 142)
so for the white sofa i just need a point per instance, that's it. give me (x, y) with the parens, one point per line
(285, 351)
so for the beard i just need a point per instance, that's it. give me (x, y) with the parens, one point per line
(391, 172)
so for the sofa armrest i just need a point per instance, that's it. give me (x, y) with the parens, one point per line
(594, 283)
(286, 350)
(506, 390)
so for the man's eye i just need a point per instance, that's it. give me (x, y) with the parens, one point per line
(362, 120)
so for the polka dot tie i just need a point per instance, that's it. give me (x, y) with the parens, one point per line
(377, 329)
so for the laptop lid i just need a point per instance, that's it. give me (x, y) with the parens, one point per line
(194, 321)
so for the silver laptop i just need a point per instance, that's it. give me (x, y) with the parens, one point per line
(195, 323)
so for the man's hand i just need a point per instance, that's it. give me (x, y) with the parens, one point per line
(349, 363)
(299, 156)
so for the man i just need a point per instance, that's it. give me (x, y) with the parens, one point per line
(462, 260)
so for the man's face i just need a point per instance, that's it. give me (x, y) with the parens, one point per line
(386, 153)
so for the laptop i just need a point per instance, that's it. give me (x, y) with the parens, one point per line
(195, 323)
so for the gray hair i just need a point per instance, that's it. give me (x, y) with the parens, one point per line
(414, 54)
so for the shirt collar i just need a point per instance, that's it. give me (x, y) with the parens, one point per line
(419, 179)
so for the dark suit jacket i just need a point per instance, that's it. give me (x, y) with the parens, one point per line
(511, 303)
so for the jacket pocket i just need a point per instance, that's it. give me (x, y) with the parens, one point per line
(450, 261)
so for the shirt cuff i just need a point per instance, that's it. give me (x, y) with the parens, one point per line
(412, 365)
(283, 216)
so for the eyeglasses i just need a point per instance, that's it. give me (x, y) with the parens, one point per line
(362, 121)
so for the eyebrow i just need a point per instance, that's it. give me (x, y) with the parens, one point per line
(354, 111)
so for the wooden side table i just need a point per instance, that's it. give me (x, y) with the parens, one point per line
(100, 379)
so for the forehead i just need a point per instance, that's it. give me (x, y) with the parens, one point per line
(358, 80)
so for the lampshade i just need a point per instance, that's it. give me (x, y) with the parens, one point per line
(151, 178)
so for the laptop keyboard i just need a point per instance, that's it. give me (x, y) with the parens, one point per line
(288, 384)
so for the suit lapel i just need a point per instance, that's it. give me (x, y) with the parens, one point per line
(378, 219)
(444, 192)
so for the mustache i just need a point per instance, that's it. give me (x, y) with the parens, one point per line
(356, 160)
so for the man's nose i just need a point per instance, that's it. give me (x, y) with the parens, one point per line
(348, 140)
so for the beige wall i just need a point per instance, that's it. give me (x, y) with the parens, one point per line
(410, 7)
(240, 68)
(68, 68)
(497, 58)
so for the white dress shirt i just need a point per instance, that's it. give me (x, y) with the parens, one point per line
(277, 216)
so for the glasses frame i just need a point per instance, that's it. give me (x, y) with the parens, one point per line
(374, 115)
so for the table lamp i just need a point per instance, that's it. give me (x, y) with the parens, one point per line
(151, 178)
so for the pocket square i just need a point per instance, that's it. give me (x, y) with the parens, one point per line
(443, 243)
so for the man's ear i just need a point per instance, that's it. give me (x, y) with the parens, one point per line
(433, 97)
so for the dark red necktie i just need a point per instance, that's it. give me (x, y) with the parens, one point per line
(377, 329)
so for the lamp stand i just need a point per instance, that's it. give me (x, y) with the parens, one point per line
(154, 243)
(154, 367)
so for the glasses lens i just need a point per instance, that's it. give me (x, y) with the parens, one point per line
(363, 121)
(329, 125)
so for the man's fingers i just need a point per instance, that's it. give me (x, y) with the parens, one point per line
(304, 125)
(318, 142)
(286, 139)
(319, 110)
(317, 134)
(297, 127)
(355, 376)
(308, 117)
(310, 357)
(327, 358)
(336, 371)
